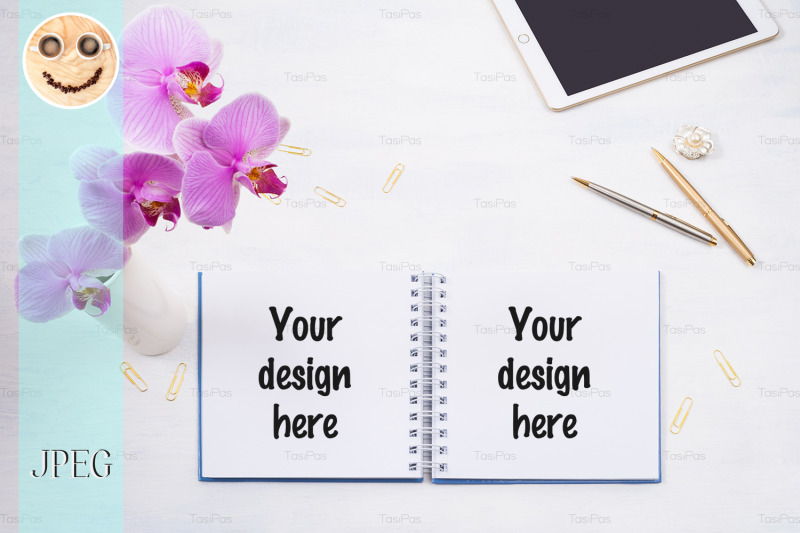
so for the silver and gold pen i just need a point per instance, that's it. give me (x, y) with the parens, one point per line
(664, 219)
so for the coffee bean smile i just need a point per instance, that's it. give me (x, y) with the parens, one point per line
(71, 88)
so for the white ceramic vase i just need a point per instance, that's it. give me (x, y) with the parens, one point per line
(151, 319)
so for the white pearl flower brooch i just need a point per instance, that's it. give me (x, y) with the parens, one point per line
(693, 142)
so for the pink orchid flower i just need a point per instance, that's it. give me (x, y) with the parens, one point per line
(125, 195)
(168, 58)
(225, 153)
(64, 272)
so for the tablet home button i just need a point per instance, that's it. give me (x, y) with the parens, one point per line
(523, 38)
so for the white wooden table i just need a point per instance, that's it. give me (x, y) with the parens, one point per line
(487, 183)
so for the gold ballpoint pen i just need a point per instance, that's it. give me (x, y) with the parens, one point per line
(725, 230)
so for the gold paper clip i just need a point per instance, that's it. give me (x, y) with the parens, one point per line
(171, 395)
(274, 198)
(332, 198)
(296, 150)
(125, 367)
(676, 427)
(727, 369)
(396, 171)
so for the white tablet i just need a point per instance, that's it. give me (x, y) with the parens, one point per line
(579, 50)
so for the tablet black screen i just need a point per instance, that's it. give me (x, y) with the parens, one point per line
(592, 42)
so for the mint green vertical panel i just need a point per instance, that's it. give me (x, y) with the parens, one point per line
(68, 367)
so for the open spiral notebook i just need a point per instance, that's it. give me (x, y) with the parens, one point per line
(508, 377)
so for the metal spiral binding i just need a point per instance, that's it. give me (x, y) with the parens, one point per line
(415, 383)
(416, 306)
(416, 415)
(426, 382)
(425, 364)
(416, 320)
(428, 398)
(416, 335)
(415, 352)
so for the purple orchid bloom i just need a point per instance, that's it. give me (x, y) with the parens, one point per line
(226, 152)
(168, 58)
(124, 195)
(64, 272)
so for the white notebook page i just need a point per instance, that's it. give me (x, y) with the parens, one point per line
(617, 417)
(372, 339)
